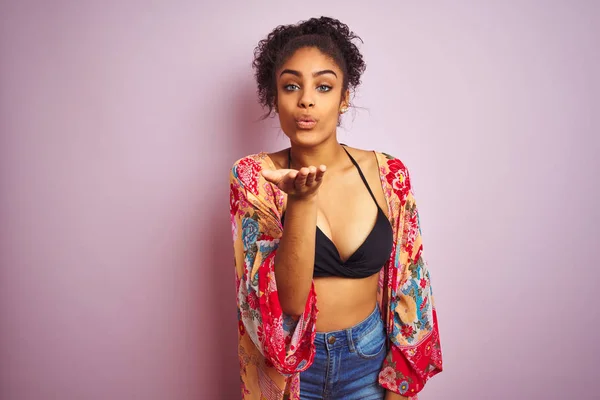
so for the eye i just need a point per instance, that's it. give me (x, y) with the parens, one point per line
(291, 87)
(324, 88)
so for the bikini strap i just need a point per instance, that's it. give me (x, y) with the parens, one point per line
(353, 162)
(361, 175)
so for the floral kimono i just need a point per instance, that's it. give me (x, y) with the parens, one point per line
(273, 347)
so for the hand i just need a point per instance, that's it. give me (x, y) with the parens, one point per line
(302, 184)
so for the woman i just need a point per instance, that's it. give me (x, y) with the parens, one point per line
(324, 221)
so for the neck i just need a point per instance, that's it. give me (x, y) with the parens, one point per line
(329, 154)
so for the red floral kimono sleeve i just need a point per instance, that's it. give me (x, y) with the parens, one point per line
(286, 343)
(415, 352)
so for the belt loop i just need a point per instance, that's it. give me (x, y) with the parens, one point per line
(350, 341)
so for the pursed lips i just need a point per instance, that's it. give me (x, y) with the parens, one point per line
(305, 118)
(305, 122)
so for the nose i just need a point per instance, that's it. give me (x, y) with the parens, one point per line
(306, 100)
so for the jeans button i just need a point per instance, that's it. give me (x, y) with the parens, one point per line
(331, 339)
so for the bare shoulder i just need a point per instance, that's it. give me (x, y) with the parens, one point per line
(374, 158)
(374, 163)
(367, 159)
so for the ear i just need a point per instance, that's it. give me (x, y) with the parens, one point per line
(345, 103)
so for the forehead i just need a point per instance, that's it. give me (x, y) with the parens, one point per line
(310, 59)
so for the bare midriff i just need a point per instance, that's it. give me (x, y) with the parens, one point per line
(344, 302)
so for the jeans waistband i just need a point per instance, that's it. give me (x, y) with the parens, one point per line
(347, 337)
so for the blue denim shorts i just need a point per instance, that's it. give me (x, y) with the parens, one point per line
(347, 363)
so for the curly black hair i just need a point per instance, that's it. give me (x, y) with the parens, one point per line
(329, 35)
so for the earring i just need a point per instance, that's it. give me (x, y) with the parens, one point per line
(343, 110)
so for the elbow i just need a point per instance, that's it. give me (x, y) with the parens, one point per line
(291, 300)
(292, 307)
(293, 292)
(292, 310)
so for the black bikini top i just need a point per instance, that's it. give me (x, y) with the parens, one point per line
(370, 256)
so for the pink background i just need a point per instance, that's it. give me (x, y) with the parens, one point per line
(119, 122)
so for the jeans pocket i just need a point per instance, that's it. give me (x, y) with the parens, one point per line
(371, 343)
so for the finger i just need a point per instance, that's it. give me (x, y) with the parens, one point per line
(290, 177)
(320, 172)
(287, 181)
(310, 179)
(300, 181)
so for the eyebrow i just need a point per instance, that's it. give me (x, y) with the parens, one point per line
(315, 74)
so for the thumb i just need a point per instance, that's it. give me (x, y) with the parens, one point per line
(270, 175)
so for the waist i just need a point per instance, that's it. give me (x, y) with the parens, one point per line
(344, 302)
(344, 336)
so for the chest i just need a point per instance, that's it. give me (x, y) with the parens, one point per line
(348, 209)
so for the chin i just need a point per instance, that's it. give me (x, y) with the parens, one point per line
(307, 138)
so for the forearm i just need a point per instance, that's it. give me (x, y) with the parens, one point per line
(294, 262)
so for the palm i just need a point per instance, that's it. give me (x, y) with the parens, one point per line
(303, 182)
(283, 179)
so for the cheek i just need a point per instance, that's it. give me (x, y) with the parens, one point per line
(332, 109)
(285, 101)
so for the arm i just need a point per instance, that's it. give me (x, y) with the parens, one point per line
(296, 255)
(286, 343)
(295, 258)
